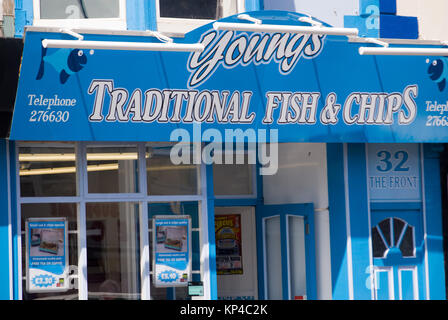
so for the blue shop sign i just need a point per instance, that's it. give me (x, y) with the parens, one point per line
(309, 87)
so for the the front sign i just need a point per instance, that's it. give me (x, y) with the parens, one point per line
(172, 251)
(394, 171)
(46, 255)
(309, 88)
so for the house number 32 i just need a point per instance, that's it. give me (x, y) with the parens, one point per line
(396, 163)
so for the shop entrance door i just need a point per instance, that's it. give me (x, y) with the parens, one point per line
(287, 247)
(236, 253)
(398, 255)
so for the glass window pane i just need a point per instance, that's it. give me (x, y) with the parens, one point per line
(166, 178)
(385, 229)
(378, 246)
(176, 208)
(398, 229)
(407, 243)
(273, 259)
(191, 9)
(78, 9)
(297, 256)
(113, 251)
(233, 179)
(112, 169)
(52, 210)
(47, 171)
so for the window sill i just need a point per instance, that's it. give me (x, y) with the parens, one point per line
(108, 24)
(177, 26)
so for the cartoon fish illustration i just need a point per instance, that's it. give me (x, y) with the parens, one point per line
(65, 61)
(438, 72)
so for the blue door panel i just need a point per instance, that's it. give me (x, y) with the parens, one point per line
(407, 285)
(382, 285)
(305, 210)
(398, 243)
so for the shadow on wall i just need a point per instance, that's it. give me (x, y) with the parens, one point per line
(444, 192)
(10, 57)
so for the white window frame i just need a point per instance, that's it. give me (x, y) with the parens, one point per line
(182, 26)
(91, 23)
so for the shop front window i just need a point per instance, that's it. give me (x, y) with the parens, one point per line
(98, 193)
(45, 212)
(47, 171)
(235, 179)
(176, 209)
(113, 253)
(112, 169)
(166, 178)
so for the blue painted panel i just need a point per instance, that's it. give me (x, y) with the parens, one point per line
(141, 15)
(368, 25)
(338, 222)
(23, 16)
(433, 221)
(382, 6)
(407, 284)
(235, 202)
(254, 5)
(382, 285)
(388, 7)
(396, 205)
(211, 234)
(378, 19)
(4, 224)
(14, 222)
(135, 15)
(399, 27)
(359, 220)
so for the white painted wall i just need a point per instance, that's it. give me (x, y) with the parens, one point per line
(329, 11)
(432, 14)
(432, 17)
(302, 178)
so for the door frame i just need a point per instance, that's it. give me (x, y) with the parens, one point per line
(306, 210)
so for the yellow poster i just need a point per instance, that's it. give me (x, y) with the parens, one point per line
(229, 258)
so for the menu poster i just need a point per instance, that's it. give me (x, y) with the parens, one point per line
(46, 255)
(172, 251)
(229, 258)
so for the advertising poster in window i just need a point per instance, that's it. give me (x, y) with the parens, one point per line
(229, 258)
(47, 255)
(172, 251)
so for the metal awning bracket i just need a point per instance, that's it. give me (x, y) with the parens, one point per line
(310, 21)
(72, 33)
(247, 17)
